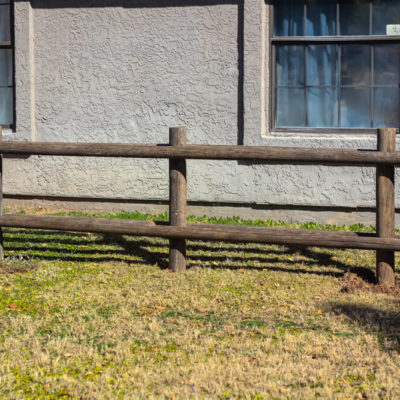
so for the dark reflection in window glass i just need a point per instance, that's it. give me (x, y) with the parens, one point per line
(322, 65)
(322, 107)
(355, 108)
(356, 64)
(386, 107)
(290, 65)
(321, 18)
(290, 105)
(387, 64)
(354, 17)
(384, 12)
(289, 18)
(5, 31)
(6, 67)
(6, 105)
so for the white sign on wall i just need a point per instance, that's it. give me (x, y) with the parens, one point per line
(393, 29)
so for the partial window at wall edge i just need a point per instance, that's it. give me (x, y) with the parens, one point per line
(6, 64)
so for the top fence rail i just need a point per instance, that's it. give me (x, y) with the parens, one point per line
(203, 152)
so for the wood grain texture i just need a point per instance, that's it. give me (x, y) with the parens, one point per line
(177, 200)
(205, 152)
(385, 208)
(228, 233)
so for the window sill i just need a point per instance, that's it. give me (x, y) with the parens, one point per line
(7, 132)
(321, 134)
(319, 140)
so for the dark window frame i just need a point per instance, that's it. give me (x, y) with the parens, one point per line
(306, 40)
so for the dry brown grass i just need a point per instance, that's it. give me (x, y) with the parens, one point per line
(95, 317)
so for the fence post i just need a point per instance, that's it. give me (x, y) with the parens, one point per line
(385, 208)
(177, 200)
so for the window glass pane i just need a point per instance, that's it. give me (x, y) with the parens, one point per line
(321, 18)
(6, 106)
(322, 107)
(322, 65)
(354, 17)
(384, 12)
(356, 64)
(355, 108)
(6, 70)
(290, 65)
(5, 32)
(290, 107)
(386, 107)
(289, 18)
(387, 64)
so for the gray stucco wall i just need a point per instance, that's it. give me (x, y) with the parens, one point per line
(124, 71)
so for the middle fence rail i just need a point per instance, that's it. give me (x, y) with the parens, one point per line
(385, 158)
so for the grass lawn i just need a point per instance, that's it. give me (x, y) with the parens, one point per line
(90, 316)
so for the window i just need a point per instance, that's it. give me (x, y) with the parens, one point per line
(6, 66)
(336, 64)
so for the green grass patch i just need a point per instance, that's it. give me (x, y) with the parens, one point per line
(212, 220)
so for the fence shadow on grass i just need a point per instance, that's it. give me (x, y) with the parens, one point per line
(75, 247)
(386, 324)
(82, 247)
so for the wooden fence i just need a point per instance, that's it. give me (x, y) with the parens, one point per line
(385, 158)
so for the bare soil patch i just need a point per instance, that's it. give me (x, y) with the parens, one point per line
(353, 283)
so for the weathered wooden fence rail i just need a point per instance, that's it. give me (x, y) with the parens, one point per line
(385, 158)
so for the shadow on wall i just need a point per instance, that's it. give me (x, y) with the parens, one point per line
(46, 4)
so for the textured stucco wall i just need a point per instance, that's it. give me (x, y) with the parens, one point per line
(118, 71)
